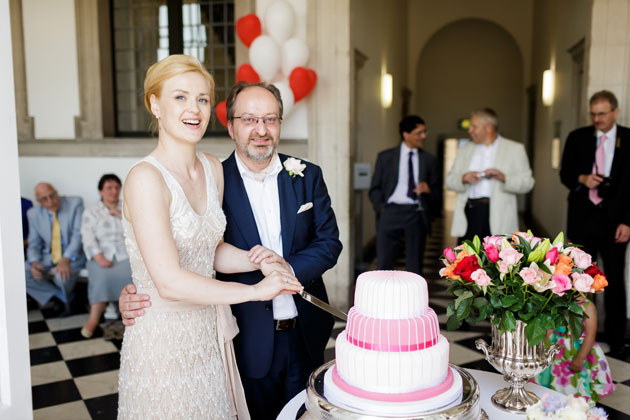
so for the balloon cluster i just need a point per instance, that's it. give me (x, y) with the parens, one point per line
(277, 56)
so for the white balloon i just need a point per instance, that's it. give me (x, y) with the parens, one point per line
(294, 54)
(279, 20)
(287, 96)
(264, 56)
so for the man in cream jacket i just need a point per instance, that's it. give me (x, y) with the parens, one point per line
(487, 175)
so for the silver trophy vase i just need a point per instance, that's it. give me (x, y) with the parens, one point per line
(511, 354)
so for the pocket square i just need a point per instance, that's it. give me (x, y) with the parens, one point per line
(305, 207)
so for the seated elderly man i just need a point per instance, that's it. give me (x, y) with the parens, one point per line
(54, 242)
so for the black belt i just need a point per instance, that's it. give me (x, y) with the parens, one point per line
(285, 324)
(482, 200)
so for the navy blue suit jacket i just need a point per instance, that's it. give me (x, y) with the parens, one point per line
(310, 242)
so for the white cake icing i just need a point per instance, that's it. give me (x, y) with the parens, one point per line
(391, 295)
(391, 372)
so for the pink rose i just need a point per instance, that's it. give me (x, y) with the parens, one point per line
(493, 240)
(530, 274)
(580, 258)
(552, 255)
(582, 282)
(481, 277)
(449, 254)
(504, 267)
(531, 239)
(563, 283)
(510, 256)
(491, 252)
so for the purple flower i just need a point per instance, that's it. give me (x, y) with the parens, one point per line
(552, 403)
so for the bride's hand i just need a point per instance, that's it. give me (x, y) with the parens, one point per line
(277, 283)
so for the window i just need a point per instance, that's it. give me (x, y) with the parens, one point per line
(145, 31)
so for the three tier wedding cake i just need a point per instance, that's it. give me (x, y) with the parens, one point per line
(391, 358)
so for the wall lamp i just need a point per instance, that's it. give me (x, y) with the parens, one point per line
(387, 89)
(548, 87)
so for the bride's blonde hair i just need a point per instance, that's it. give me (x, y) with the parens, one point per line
(171, 66)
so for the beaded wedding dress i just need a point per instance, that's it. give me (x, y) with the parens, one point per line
(171, 362)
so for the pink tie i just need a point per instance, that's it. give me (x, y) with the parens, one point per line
(598, 168)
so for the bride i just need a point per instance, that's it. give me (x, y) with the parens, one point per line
(177, 361)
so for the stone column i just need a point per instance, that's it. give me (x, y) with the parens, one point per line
(328, 37)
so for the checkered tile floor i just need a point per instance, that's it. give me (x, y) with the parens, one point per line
(77, 379)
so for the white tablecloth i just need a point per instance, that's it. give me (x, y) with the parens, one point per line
(488, 383)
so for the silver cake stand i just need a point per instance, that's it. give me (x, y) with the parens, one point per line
(318, 407)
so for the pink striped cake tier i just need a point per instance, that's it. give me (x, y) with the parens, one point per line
(393, 335)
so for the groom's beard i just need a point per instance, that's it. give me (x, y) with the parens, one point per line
(260, 153)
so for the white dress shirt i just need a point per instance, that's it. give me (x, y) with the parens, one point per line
(483, 158)
(399, 196)
(609, 148)
(264, 199)
(102, 232)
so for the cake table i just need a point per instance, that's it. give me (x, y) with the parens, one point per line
(488, 383)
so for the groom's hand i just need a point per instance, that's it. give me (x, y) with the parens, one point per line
(130, 304)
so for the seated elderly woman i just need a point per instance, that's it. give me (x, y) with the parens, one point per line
(104, 246)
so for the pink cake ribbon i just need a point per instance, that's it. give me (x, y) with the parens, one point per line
(393, 348)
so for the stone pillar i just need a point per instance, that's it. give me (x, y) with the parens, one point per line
(25, 124)
(328, 37)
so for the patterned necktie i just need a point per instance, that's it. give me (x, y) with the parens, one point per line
(411, 183)
(55, 243)
(598, 168)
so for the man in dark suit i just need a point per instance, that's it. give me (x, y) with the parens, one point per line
(279, 202)
(595, 169)
(405, 188)
(54, 242)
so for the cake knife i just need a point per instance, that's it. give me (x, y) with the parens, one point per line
(323, 305)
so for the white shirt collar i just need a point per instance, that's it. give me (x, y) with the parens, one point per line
(405, 149)
(274, 167)
(611, 134)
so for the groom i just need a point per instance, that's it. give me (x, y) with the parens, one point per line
(280, 341)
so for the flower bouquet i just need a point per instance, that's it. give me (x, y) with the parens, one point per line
(534, 280)
(551, 407)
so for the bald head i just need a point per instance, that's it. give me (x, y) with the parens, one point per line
(47, 196)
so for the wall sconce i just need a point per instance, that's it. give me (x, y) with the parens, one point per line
(547, 88)
(387, 89)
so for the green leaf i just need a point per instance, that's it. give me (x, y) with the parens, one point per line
(479, 302)
(544, 268)
(508, 322)
(526, 248)
(453, 323)
(468, 247)
(576, 324)
(463, 310)
(508, 301)
(476, 244)
(546, 321)
(466, 295)
(575, 307)
(534, 332)
(538, 254)
(495, 301)
(450, 309)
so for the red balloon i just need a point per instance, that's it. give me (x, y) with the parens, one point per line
(221, 112)
(247, 73)
(302, 82)
(248, 28)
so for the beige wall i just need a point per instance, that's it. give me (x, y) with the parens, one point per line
(378, 30)
(559, 25)
(469, 64)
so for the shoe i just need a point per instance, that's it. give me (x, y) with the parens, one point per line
(59, 309)
(110, 312)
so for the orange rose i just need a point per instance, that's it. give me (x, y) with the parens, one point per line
(448, 272)
(463, 254)
(599, 282)
(564, 265)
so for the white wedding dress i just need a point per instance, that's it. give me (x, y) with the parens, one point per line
(171, 363)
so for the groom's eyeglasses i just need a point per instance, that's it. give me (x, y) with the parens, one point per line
(268, 120)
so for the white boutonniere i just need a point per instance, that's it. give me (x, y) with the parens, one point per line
(294, 167)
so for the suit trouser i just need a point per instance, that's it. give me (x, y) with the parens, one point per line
(600, 240)
(287, 377)
(399, 221)
(46, 287)
(477, 218)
